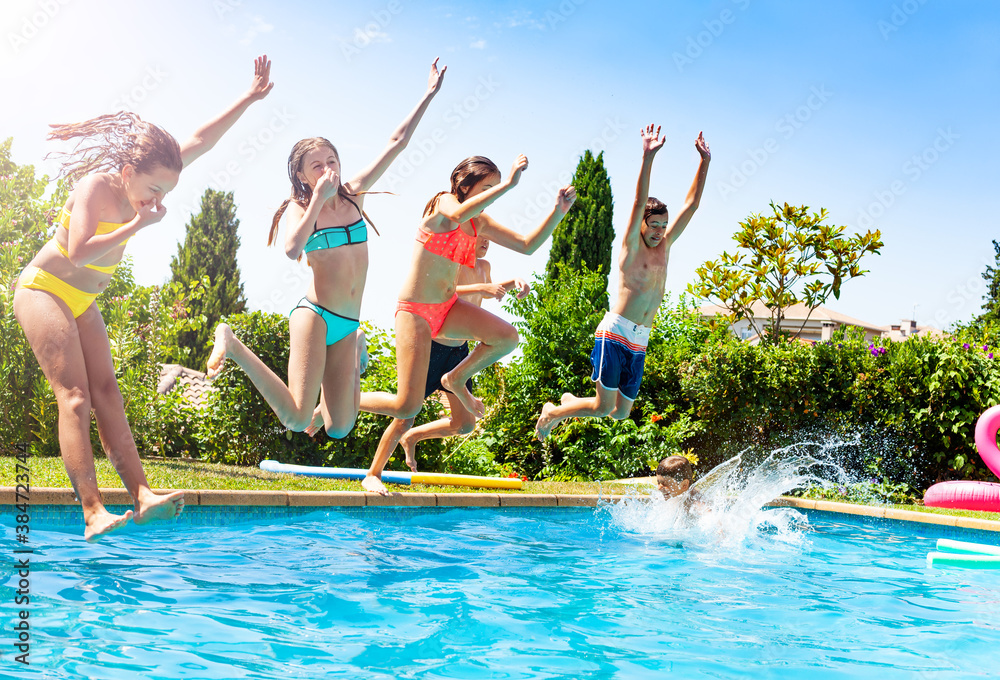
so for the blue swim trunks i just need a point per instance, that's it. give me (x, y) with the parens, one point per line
(619, 354)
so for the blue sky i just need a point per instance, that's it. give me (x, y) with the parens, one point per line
(880, 111)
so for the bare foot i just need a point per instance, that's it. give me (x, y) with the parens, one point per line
(103, 523)
(373, 484)
(151, 506)
(410, 447)
(545, 422)
(473, 405)
(317, 422)
(223, 337)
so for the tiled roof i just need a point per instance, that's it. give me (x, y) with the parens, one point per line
(194, 385)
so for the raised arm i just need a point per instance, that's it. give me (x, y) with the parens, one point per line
(401, 137)
(211, 132)
(530, 242)
(693, 199)
(651, 143)
(302, 220)
(449, 207)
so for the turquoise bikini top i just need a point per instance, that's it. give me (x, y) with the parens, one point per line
(334, 237)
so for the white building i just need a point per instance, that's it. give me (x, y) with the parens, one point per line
(817, 326)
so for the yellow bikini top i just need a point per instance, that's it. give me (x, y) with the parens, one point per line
(102, 228)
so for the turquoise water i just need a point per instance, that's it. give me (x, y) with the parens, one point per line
(463, 593)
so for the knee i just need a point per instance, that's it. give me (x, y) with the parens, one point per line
(410, 408)
(602, 410)
(509, 339)
(76, 400)
(340, 430)
(463, 425)
(297, 421)
(106, 393)
(621, 412)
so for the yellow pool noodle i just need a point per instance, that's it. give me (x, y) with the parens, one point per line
(443, 479)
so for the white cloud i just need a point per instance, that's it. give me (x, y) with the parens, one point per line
(478, 44)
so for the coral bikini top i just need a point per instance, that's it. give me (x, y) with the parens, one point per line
(454, 245)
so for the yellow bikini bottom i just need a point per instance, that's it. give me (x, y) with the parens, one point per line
(77, 300)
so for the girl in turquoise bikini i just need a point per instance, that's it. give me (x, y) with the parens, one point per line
(327, 223)
(122, 168)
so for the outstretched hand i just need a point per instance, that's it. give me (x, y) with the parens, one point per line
(651, 142)
(702, 146)
(522, 287)
(436, 77)
(566, 198)
(261, 85)
(520, 165)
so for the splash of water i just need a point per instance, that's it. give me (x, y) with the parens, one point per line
(725, 508)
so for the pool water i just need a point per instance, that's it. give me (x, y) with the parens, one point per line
(466, 593)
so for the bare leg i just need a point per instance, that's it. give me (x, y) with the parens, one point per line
(496, 339)
(341, 393)
(386, 445)
(413, 353)
(460, 421)
(598, 406)
(116, 435)
(54, 337)
(294, 403)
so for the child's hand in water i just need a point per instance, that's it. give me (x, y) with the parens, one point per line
(520, 165)
(261, 84)
(522, 288)
(702, 147)
(566, 198)
(436, 77)
(327, 186)
(651, 141)
(151, 213)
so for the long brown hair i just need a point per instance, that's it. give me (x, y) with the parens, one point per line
(110, 142)
(302, 192)
(466, 175)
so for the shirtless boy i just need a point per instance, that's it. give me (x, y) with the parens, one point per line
(620, 349)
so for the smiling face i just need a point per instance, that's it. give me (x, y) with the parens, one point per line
(142, 188)
(316, 162)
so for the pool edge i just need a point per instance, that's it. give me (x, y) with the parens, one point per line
(216, 497)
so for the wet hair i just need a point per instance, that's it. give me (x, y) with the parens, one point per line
(654, 206)
(466, 175)
(302, 192)
(108, 143)
(677, 468)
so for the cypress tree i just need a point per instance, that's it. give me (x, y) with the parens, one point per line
(991, 301)
(209, 249)
(585, 236)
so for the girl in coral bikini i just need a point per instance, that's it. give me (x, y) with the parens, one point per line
(122, 173)
(429, 306)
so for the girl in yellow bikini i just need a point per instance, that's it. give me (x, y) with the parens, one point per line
(121, 177)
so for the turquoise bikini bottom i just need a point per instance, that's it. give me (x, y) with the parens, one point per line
(337, 327)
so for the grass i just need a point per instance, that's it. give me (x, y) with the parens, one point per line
(176, 474)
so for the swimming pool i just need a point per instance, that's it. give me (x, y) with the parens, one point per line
(517, 593)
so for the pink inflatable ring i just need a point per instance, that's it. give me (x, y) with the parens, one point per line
(974, 495)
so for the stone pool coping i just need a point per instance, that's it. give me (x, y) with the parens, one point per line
(206, 497)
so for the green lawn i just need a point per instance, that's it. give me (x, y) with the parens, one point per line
(171, 474)
(177, 474)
